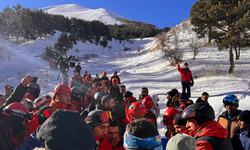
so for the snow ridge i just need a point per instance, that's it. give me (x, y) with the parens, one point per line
(73, 10)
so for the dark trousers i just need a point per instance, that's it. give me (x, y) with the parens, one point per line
(186, 86)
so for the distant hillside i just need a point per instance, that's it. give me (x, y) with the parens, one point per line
(72, 10)
(134, 23)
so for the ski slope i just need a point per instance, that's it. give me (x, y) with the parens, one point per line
(137, 69)
(72, 10)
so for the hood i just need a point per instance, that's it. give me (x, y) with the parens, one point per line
(211, 128)
(66, 130)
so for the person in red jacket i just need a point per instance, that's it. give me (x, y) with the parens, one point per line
(168, 119)
(148, 103)
(209, 134)
(32, 125)
(51, 64)
(135, 111)
(62, 99)
(84, 76)
(115, 76)
(89, 98)
(113, 141)
(186, 78)
(76, 80)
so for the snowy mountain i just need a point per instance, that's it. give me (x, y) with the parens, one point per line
(145, 68)
(77, 11)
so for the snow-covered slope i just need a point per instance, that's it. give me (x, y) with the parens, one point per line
(77, 11)
(137, 69)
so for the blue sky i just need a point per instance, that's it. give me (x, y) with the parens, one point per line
(162, 13)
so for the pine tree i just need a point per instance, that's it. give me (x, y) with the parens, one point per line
(226, 20)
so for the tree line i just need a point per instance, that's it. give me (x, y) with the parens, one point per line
(226, 21)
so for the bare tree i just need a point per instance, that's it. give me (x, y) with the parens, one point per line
(169, 44)
(195, 46)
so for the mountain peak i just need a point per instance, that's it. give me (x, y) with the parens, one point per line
(73, 10)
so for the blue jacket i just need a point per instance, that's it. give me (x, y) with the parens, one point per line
(30, 143)
(241, 140)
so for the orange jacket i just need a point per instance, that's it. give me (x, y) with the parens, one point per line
(57, 104)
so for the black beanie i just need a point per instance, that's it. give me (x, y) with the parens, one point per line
(183, 96)
(245, 116)
(127, 94)
(179, 121)
(93, 118)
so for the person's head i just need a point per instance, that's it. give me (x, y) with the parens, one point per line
(183, 98)
(98, 120)
(168, 118)
(89, 79)
(122, 89)
(144, 92)
(63, 93)
(115, 73)
(97, 76)
(85, 73)
(142, 134)
(181, 142)
(137, 110)
(98, 96)
(179, 124)
(9, 89)
(79, 64)
(42, 101)
(75, 73)
(33, 89)
(76, 94)
(16, 115)
(175, 91)
(205, 96)
(104, 74)
(44, 113)
(186, 65)
(71, 126)
(197, 114)
(148, 103)
(244, 120)
(170, 95)
(231, 103)
(113, 131)
(114, 82)
(2, 100)
(105, 89)
(108, 102)
(127, 94)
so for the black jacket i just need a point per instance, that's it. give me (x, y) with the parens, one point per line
(113, 91)
(200, 100)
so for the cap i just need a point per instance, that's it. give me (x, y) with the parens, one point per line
(183, 96)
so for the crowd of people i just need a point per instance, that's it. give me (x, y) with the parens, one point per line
(100, 114)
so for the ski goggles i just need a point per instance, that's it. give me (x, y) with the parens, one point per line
(105, 116)
(48, 112)
(228, 100)
(133, 142)
(188, 114)
(168, 119)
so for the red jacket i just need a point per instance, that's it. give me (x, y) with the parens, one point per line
(186, 74)
(105, 145)
(117, 77)
(89, 98)
(32, 125)
(57, 104)
(30, 97)
(151, 117)
(209, 128)
(51, 63)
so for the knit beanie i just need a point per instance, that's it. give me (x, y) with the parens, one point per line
(127, 94)
(179, 121)
(181, 142)
(245, 116)
(183, 96)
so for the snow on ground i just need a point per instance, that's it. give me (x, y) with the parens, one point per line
(137, 69)
(72, 10)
